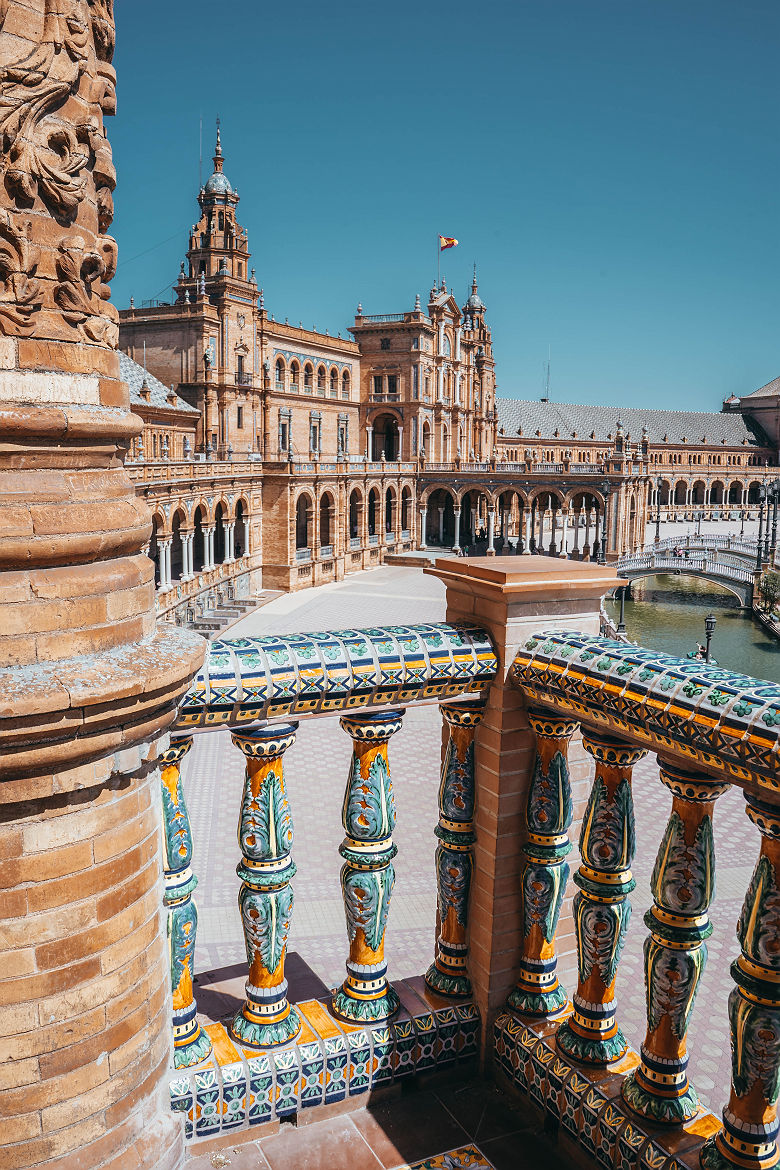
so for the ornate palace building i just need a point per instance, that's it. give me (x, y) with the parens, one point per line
(279, 457)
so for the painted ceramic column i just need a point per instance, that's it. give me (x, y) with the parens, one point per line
(454, 855)
(423, 519)
(602, 909)
(265, 835)
(683, 884)
(190, 1042)
(749, 1134)
(546, 872)
(456, 543)
(367, 876)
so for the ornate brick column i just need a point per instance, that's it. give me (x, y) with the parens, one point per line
(89, 685)
(513, 598)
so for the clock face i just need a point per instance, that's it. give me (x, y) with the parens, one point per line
(241, 320)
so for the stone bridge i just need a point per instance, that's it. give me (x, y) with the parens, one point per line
(732, 569)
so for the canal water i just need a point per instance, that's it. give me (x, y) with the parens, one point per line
(667, 613)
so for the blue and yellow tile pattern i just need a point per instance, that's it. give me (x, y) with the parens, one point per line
(728, 723)
(249, 680)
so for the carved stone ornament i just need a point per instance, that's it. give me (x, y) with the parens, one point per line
(55, 164)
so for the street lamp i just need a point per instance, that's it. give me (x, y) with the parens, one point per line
(742, 526)
(605, 488)
(621, 628)
(775, 497)
(698, 523)
(658, 510)
(768, 497)
(709, 630)
(760, 542)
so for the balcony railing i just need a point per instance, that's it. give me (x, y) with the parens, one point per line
(302, 554)
(711, 729)
(326, 550)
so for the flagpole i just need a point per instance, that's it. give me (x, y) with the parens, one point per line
(438, 261)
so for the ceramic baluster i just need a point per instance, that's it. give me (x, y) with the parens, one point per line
(683, 885)
(601, 908)
(265, 835)
(546, 871)
(749, 1134)
(367, 876)
(190, 1043)
(448, 974)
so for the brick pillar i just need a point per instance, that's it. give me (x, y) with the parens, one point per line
(512, 599)
(89, 684)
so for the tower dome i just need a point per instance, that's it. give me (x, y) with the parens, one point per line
(475, 304)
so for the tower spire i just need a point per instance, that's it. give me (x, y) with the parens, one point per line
(218, 159)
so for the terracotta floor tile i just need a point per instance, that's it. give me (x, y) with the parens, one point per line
(248, 1157)
(414, 1126)
(520, 1151)
(332, 1145)
(482, 1110)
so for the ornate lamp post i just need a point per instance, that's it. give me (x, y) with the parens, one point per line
(742, 525)
(760, 542)
(698, 523)
(621, 627)
(606, 488)
(709, 630)
(658, 510)
(775, 497)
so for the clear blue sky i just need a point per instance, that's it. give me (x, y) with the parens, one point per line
(611, 165)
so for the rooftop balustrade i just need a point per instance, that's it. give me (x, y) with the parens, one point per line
(528, 690)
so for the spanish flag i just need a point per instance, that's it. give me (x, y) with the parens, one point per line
(446, 242)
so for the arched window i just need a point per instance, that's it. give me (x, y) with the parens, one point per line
(326, 512)
(280, 374)
(221, 221)
(321, 378)
(373, 509)
(308, 377)
(295, 373)
(334, 383)
(389, 510)
(302, 509)
(345, 385)
(354, 514)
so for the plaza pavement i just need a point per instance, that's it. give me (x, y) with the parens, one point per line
(316, 770)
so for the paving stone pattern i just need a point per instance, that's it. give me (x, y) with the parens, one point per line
(316, 768)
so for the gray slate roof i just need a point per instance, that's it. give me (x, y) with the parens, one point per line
(695, 426)
(133, 374)
(771, 389)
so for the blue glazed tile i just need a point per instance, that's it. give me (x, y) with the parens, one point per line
(234, 1095)
(207, 1103)
(336, 1064)
(260, 1088)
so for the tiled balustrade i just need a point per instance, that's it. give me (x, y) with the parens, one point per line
(273, 1057)
(711, 728)
(523, 705)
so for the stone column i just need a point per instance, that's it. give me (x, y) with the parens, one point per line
(511, 604)
(491, 552)
(441, 526)
(400, 443)
(527, 516)
(367, 876)
(369, 443)
(683, 884)
(576, 547)
(265, 834)
(586, 546)
(84, 970)
(423, 518)
(546, 871)
(448, 974)
(749, 1134)
(456, 542)
(190, 1043)
(564, 531)
(602, 909)
(208, 534)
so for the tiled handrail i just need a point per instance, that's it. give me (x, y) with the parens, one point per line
(710, 728)
(250, 680)
(723, 722)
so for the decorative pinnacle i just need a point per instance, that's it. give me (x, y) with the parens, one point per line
(417, 303)
(218, 150)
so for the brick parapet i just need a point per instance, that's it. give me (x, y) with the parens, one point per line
(512, 598)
